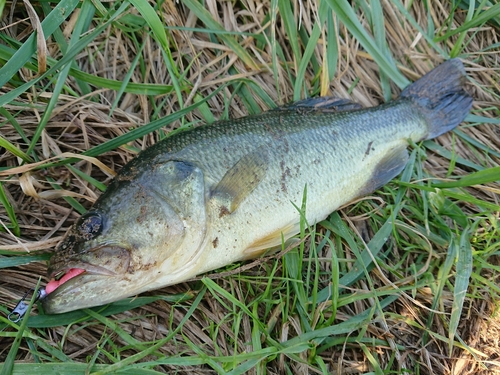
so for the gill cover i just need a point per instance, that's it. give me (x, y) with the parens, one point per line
(139, 224)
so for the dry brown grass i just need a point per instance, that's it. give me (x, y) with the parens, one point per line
(79, 123)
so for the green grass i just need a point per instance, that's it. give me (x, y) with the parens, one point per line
(389, 284)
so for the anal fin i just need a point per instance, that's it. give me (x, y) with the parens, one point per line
(387, 168)
(270, 241)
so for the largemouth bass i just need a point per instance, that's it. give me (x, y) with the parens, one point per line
(221, 193)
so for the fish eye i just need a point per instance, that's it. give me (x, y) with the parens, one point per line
(90, 225)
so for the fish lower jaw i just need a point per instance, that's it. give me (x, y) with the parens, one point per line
(89, 290)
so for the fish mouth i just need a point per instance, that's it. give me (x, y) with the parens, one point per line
(70, 272)
(89, 268)
(106, 260)
(71, 279)
(79, 289)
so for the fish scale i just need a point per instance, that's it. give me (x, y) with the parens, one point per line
(207, 197)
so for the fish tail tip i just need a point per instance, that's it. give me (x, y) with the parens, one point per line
(441, 97)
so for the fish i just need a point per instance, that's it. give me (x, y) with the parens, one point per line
(226, 192)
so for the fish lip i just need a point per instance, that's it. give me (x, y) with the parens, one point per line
(64, 264)
(89, 269)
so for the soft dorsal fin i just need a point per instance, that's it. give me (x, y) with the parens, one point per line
(240, 180)
(324, 103)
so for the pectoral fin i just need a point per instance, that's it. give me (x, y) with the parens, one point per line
(239, 181)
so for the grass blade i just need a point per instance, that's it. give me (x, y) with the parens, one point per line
(136, 357)
(62, 11)
(9, 360)
(7, 53)
(80, 45)
(146, 129)
(377, 21)
(205, 16)
(14, 261)
(288, 19)
(345, 13)
(152, 19)
(308, 53)
(61, 78)
(463, 273)
(16, 230)
(364, 259)
(476, 178)
(114, 143)
(14, 150)
(428, 35)
(48, 321)
(480, 19)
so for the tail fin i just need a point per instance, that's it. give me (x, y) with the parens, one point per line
(441, 97)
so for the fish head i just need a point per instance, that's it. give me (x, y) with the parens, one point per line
(129, 242)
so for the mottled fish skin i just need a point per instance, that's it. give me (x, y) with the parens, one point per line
(210, 196)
